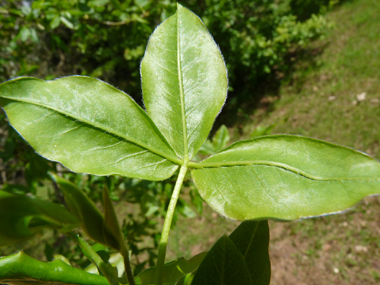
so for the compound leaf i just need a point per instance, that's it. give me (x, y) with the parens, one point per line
(87, 125)
(285, 177)
(184, 81)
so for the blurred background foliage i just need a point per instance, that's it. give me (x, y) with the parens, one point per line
(260, 41)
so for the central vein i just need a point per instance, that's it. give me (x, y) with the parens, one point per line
(180, 80)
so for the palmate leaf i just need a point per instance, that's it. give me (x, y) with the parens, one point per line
(285, 177)
(22, 216)
(87, 125)
(184, 81)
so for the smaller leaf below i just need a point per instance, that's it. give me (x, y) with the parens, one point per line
(223, 265)
(173, 271)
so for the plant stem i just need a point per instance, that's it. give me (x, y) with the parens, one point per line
(127, 266)
(167, 225)
(94, 258)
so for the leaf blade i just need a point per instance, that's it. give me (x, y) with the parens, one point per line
(285, 177)
(222, 265)
(92, 220)
(252, 240)
(87, 125)
(192, 81)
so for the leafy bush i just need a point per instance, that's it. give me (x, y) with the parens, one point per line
(106, 39)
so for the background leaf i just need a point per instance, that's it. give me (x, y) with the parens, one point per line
(184, 81)
(223, 265)
(87, 125)
(20, 269)
(173, 271)
(217, 143)
(91, 219)
(252, 240)
(22, 216)
(111, 227)
(285, 177)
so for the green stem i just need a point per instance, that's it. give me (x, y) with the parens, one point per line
(127, 266)
(94, 258)
(167, 225)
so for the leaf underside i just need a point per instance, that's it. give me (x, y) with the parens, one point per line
(285, 177)
(88, 126)
(184, 81)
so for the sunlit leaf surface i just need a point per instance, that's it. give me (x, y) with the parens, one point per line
(87, 125)
(285, 177)
(184, 81)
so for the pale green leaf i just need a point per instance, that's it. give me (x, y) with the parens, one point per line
(87, 125)
(20, 269)
(54, 23)
(221, 138)
(184, 81)
(223, 265)
(217, 143)
(285, 177)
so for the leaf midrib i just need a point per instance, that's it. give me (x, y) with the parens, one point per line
(100, 127)
(180, 81)
(277, 165)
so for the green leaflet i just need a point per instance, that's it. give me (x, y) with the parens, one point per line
(285, 177)
(87, 125)
(20, 269)
(184, 81)
(223, 265)
(252, 240)
(22, 216)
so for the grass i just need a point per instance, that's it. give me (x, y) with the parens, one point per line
(326, 102)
